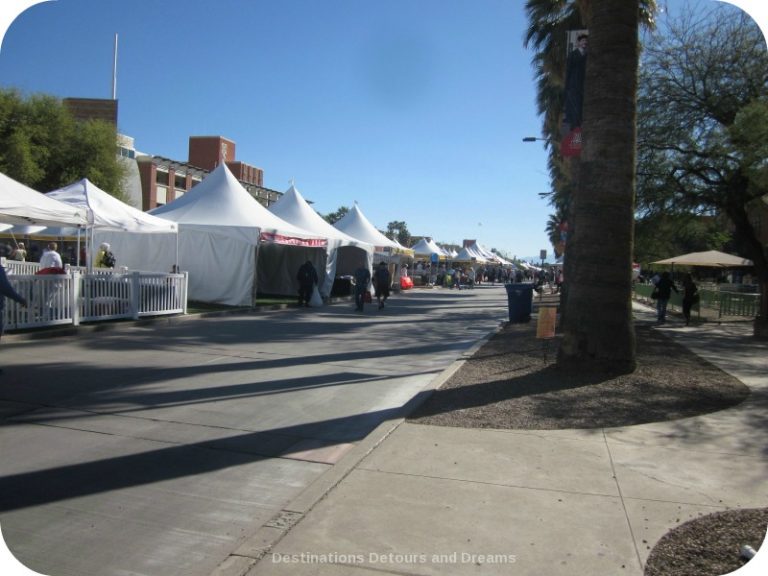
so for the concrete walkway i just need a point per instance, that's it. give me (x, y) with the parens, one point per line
(159, 448)
(435, 500)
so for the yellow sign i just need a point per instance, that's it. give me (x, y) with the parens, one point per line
(545, 327)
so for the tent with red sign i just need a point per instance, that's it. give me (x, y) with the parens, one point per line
(232, 246)
(344, 253)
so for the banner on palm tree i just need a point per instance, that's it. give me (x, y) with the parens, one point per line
(571, 144)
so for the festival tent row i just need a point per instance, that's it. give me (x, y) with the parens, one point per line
(232, 246)
(344, 253)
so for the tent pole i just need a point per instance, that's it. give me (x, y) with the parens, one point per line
(256, 272)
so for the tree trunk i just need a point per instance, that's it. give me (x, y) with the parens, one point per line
(598, 332)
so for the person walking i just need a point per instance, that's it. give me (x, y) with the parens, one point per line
(663, 291)
(362, 278)
(382, 281)
(307, 277)
(690, 297)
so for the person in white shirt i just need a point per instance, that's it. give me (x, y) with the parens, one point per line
(51, 258)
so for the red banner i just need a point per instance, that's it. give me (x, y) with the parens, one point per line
(571, 144)
(293, 240)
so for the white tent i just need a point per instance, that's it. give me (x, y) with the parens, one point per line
(468, 254)
(425, 247)
(355, 224)
(490, 256)
(20, 204)
(344, 253)
(230, 244)
(129, 231)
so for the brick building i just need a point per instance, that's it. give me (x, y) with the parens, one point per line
(163, 179)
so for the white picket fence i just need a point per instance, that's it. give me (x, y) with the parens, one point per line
(79, 296)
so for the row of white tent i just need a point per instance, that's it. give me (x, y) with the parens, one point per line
(229, 243)
(474, 253)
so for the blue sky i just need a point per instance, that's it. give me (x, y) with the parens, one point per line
(414, 109)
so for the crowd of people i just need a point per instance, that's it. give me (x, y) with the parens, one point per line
(362, 281)
(49, 255)
(454, 276)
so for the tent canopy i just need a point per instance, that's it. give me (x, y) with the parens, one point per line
(711, 258)
(426, 247)
(344, 254)
(115, 222)
(20, 204)
(294, 209)
(221, 201)
(105, 212)
(355, 224)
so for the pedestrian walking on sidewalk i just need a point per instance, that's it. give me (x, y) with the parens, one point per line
(382, 281)
(362, 278)
(664, 289)
(307, 277)
(690, 297)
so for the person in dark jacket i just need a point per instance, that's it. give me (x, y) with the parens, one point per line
(7, 290)
(690, 297)
(664, 289)
(362, 279)
(307, 277)
(382, 281)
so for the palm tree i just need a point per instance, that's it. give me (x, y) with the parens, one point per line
(597, 321)
(598, 331)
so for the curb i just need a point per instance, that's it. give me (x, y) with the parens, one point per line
(250, 552)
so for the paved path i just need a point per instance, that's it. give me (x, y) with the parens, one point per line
(162, 449)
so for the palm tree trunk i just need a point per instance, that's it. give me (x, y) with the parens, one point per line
(598, 331)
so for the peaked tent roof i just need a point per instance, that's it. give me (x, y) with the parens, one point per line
(490, 256)
(427, 247)
(294, 209)
(20, 204)
(709, 258)
(105, 212)
(467, 254)
(355, 224)
(220, 201)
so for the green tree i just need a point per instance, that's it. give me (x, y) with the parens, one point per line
(44, 147)
(334, 217)
(398, 230)
(704, 127)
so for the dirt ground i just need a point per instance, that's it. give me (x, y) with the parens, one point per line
(512, 382)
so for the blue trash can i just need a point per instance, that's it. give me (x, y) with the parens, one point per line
(520, 301)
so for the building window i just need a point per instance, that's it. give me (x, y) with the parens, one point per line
(161, 196)
(162, 177)
(180, 182)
